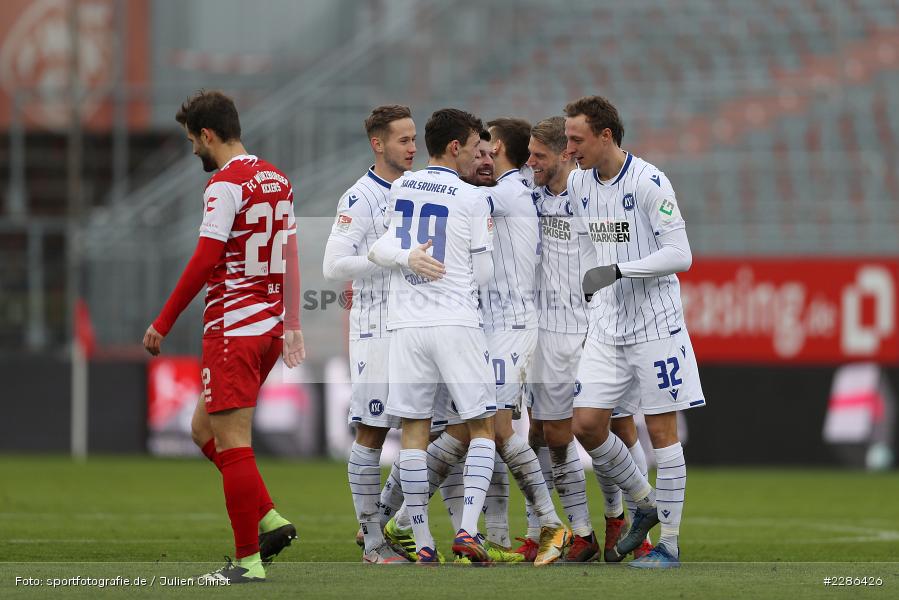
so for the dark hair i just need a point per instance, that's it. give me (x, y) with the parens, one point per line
(485, 135)
(378, 122)
(515, 135)
(601, 114)
(448, 124)
(551, 133)
(210, 110)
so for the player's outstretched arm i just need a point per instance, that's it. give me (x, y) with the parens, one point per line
(386, 253)
(673, 256)
(194, 277)
(342, 264)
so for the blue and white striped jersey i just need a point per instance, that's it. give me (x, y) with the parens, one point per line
(361, 220)
(563, 262)
(509, 303)
(624, 216)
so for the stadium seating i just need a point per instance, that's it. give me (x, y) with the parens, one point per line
(771, 118)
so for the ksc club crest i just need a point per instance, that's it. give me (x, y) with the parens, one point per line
(376, 408)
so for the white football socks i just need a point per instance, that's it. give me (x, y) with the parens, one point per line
(671, 481)
(528, 474)
(530, 514)
(477, 476)
(391, 494)
(364, 473)
(496, 505)
(444, 453)
(612, 461)
(414, 477)
(402, 517)
(611, 493)
(639, 457)
(453, 490)
(571, 485)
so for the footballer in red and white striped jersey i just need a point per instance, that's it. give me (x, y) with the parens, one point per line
(248, 205)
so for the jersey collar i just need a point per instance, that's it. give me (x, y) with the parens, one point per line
(627, 163)
(507, 173)
(239, 157)
(549, 192)
(378, 180)
(439, 168)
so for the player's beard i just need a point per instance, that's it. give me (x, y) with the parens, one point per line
(546, 176)
(208, 163)
(479, 180)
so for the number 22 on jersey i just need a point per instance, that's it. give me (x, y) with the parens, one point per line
(277, 264)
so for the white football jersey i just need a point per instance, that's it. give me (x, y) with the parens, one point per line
(624, 216)
(361, 220)
(560, 300)
(511, 291)
(435, 204)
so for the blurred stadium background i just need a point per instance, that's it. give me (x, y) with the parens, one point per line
(776, 121)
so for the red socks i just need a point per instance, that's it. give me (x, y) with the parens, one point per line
(265, 501)
(210, 453)
(241, 480)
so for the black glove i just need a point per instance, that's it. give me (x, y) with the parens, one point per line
(599, 277)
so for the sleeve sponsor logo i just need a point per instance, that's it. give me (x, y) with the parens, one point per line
(343, 223)
(667, 208)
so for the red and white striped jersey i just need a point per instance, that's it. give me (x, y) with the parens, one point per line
(248, 205)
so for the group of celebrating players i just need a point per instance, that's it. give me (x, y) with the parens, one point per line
(531, 263)
(522, 264)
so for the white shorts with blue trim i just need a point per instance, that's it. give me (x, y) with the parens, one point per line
(445, 412)
(654, 377)
(369, 376)
(551, 384)
(511, 358)
(423, 357)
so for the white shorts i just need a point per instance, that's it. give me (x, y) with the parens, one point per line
(369, 376)
(511, 357)
(653, 377)
(422, 357)
(551, 384)
(445, 412)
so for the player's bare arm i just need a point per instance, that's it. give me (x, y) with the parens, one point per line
(153, 341)
(294, 352)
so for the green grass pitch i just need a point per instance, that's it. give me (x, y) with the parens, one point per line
(747, 533)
